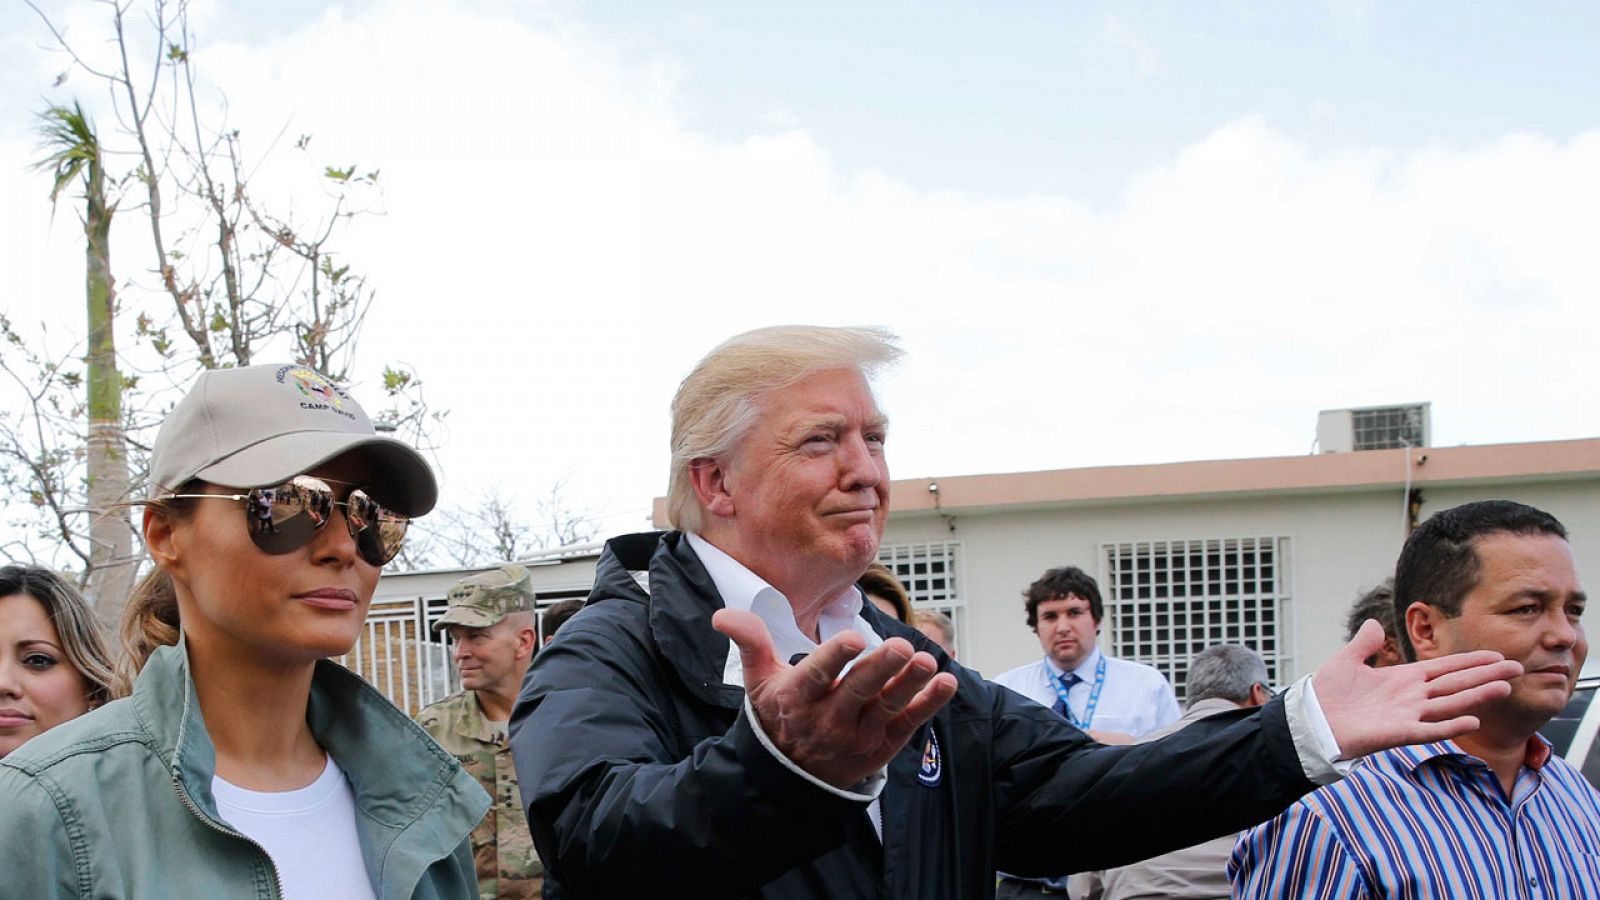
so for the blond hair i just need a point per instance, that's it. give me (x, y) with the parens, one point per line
(717, 403)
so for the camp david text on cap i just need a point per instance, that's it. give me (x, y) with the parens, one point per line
(318, 393)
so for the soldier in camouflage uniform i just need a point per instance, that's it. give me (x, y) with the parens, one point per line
(490, 621)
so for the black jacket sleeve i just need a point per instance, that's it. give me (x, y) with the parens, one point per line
(1065, 804)
(620, 803)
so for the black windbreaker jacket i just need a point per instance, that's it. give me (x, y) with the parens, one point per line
(643, 778)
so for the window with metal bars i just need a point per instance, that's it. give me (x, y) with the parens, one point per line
(927, 570)
(1166, 601)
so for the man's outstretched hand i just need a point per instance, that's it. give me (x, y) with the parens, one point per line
(1432, 700)
(840, 730)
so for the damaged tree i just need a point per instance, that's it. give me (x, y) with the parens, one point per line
(221, 279)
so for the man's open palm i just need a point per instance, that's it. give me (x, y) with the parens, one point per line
(839, 729)
(1374, 709)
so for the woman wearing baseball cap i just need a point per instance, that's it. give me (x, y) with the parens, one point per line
(243, 763)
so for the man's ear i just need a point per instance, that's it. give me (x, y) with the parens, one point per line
(1422, 626)
(1259, 695)
(527, 642)
(710, 479)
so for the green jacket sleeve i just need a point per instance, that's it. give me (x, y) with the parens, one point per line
(37, 852)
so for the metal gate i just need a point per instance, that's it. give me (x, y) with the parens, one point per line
(399, 654)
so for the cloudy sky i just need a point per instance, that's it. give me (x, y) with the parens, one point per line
(1106, 233)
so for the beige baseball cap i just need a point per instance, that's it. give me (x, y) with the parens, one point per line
(481, 600)
(256, 426)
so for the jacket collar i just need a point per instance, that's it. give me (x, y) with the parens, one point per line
(1202, 709)
(662, 571)
(472, 723)
(680, 598)
(364, 733)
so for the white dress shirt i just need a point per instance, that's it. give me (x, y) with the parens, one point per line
(743, 589)
(1135, 699)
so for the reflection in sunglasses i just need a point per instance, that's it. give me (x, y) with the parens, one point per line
(286, 517)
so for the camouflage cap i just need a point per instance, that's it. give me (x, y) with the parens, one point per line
(481, 600)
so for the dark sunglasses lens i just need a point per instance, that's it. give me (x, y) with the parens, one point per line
(379, 533)
(285, 518)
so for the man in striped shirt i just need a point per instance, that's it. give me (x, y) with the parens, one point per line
(1493, 813)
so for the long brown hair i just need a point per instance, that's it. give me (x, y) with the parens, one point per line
(879, 581)
(74, 621)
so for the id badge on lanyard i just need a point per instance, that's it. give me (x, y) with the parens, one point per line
(1094, 696)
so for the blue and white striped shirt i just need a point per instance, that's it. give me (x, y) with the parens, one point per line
(1428, 822)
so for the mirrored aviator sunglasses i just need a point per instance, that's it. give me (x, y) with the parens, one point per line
(285, 517)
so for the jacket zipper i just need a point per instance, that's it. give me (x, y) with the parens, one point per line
(277, 880)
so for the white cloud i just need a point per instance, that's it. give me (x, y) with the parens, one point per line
(560, 247)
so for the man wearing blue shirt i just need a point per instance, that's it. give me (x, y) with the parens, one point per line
(1115, 700)
(1492, 813)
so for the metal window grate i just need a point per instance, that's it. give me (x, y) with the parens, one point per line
(928, 570)
(1388, 427)
(1168, 600)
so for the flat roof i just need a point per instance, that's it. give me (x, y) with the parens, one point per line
(1318, 473)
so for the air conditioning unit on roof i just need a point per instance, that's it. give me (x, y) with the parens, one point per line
(1373, 428)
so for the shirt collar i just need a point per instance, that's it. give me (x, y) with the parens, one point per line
(1084, 670)
(737, 585)
(1535, 755)
(743, 589)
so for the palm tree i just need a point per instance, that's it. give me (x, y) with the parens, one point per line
(74, 154)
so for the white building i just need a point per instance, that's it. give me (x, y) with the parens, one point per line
(1267, 552)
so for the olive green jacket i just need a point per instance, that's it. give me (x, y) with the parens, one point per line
(117, 803)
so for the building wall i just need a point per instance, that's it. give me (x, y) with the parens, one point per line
(567, 576)
(1341, 544)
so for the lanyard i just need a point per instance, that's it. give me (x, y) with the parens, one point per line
(1094, 694)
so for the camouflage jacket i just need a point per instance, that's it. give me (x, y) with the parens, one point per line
(507, 865)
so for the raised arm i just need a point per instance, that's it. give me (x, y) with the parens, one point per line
(1220, 774)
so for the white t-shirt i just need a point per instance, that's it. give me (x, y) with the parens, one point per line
(310, 833)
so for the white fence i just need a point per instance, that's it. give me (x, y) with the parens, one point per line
(400, 655)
